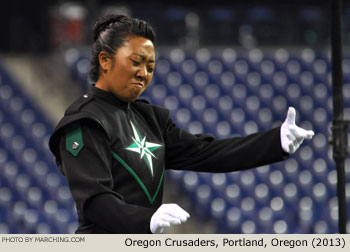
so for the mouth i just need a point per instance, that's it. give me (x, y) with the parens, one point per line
(138, 84)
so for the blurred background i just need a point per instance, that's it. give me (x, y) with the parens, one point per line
(227, 69)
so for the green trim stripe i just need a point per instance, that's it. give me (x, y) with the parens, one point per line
(129, 169)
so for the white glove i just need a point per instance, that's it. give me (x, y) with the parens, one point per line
(292, 136)
(167, 215)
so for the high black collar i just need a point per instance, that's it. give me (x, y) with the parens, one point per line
(108, 97)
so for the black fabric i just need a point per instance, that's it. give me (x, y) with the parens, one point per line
(204, 153)
(117, 189)
(100, 208)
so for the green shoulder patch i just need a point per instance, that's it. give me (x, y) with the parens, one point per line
(74, 139)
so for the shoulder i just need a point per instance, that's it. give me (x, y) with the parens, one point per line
(81, 111)
(78, 104)
(83, 108)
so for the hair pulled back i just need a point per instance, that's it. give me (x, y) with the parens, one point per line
(110, 33)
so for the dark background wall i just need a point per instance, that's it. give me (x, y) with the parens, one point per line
(29, 25)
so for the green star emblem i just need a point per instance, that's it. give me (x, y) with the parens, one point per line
(144, 148)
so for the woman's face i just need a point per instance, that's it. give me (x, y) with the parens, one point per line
(130, 71)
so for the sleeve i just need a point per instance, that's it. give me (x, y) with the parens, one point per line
(90, 180)
(204, 153)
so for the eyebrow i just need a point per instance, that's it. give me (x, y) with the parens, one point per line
(143, 57)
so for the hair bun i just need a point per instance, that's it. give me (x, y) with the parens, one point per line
(103, 23)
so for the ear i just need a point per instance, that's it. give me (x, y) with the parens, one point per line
(105, 61)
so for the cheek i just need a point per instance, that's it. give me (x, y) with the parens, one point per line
(150, 76)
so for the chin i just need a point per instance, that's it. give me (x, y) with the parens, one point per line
(132, 98)
(135, 96)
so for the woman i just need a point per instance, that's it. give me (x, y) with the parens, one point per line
(113, 149)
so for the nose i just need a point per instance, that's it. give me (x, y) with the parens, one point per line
(141, 74)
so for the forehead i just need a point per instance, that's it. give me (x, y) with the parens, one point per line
(138, 46)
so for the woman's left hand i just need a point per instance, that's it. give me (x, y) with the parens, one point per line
(292, 136)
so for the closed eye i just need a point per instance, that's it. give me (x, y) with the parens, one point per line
(135, 62)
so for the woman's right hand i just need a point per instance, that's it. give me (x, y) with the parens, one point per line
(167, 215)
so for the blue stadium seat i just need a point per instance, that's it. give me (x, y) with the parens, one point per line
(5, 197)
(223, 130)
(198, 104)
(227, 80)
(266, 93)
(233, 219)
(163, 67)
(210, 118)
(215, 68)
(174, 80)
(232, 194)
(319, 193)
(35, 196)
(72, 227)
(267, 68)
(31, 220)
(261, 193)
(319, 142)
(280, 227)
(308, 56)
(320, 67)
(212, 93)
(265, 219)
(250, 127)
(247, 181)
(22, 184)
(321, 227)
(253, 81)
(177, 56)
(4, 228)
(183, 117)
(281, 56)
(229, 56)
(219, 182)
(195, 127)
(248, 227)
(248, 207)
(306, 218)
(265, 118)
(43, 228)
(241, 68)
(278, 207)
(203, 199)
(293, 68)
(200, 81)
(185, 94)
(252, 106)
(202, 56)
(225, 105)
(218, 208)
(290, 193)
(188, 67)
(239, 94)
(190, 181)
(10, 171)
(280, 81)
(171, 103)
(237, 119)
(61, 218)
(158, 93)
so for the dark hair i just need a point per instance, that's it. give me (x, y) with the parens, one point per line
(110, 33)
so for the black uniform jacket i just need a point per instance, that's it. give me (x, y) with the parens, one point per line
(114, 154)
